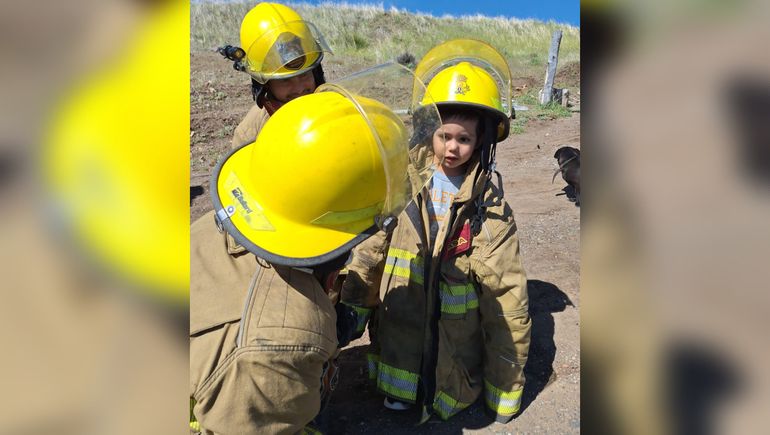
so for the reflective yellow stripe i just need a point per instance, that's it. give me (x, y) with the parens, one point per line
(403, 273)
(401, 384)
(502, 402)
(404, 264)
(194, 425)
(446, 406)
(362, 316)
(372, 361)
(458, 299)
(400, 253)
(473, 300)
(307, 430)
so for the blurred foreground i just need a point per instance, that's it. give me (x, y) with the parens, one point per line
(94, 231)
(676, 224)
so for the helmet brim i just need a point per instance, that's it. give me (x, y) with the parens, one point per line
(264, 78)
(504, 121)
(270, 236)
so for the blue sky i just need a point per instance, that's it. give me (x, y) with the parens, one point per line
(563, 11)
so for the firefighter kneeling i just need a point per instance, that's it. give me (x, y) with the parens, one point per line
(263, 329)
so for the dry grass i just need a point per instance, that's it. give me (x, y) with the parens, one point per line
(372, 34)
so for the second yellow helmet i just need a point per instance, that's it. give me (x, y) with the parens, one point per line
(467, 72)
(278, 43)
(468, 85)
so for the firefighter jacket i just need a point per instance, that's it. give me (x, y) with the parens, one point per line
(453, 320)
(260, 339)
(250, 126)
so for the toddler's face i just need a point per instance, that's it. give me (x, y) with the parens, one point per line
(460, 138)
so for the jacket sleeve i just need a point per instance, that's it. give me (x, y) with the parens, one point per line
(505, 320)
(249, 128)
(262, 391)
(361, 288)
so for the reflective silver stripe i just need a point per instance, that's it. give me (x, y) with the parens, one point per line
(372, 361)
(458, 299)
(397, 382)
(401, 384)
(445, 409)
(447, 406)
(450, 299)
(405, 265)
(398, 262)
(502, 402)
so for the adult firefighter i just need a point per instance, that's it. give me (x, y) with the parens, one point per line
(282, 54)
(453, 319)
(264, 333)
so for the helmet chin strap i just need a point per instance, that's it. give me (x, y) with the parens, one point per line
(489, 145)
(270, 103)
(488, 150)
(261, 95)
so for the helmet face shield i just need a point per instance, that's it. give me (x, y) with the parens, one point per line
(477, 53)
(285, 50)
(393, 85)
(327, 170)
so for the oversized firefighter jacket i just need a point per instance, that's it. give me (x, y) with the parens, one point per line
(260, 339)
(453, 319)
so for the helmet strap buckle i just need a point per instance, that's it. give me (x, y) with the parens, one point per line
(386, 223)
(221, 215)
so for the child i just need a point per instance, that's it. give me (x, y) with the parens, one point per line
(453, 319)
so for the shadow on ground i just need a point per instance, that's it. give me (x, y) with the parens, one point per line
(356, 407)
(570, 193)
(544, 300)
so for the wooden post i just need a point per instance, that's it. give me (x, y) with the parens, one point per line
(546, 95)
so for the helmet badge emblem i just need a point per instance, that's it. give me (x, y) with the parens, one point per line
(461, 85)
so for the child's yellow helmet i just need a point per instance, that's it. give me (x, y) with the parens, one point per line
(467, 72)
(278, 43)
(467, 85)
(322, 174)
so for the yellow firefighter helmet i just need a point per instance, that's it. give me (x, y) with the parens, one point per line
(466, 72)
(304, 193)
(278, 43)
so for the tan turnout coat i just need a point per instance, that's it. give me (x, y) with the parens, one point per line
(452, 319)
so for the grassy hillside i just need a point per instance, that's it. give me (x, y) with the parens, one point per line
(372, 34)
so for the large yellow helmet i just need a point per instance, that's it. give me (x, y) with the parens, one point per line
(466, 72)
(324, 173)
(278, 43)
(108, 140)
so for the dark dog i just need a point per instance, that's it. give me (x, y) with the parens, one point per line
(195, 191)
(569, 166)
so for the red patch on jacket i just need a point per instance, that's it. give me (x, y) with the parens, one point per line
(459, 242)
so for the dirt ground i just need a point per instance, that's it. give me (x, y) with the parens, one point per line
(549, 231)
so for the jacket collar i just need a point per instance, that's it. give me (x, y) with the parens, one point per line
(474, 183)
